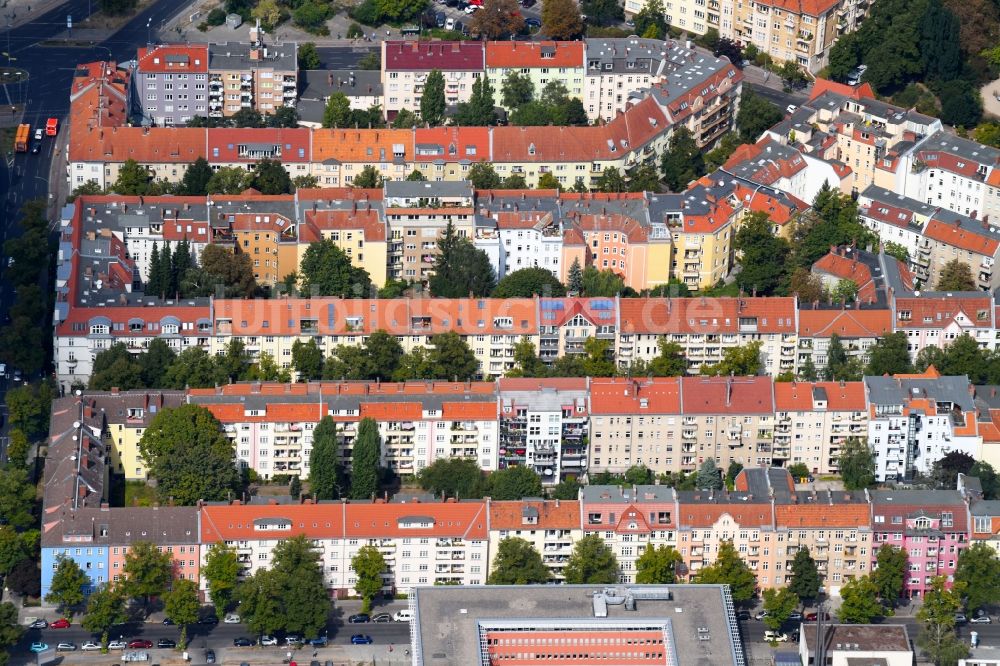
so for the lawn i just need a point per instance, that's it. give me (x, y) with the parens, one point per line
(137, 493)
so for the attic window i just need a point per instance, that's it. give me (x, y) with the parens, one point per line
(607, 66)
(905, 315)
(531, 149)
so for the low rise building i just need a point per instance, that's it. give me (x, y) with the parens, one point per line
(850, 644)
(532, 624)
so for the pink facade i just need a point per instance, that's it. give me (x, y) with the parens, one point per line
(187, 560)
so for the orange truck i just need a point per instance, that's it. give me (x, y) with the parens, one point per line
(22, 138)
(52, 127)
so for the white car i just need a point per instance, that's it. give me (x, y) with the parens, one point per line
(90, 645)
(790, 108)
(980, 619)
(404, 615)
(117, 645)
(775, 637)
(231, 618)
(471, 9)
(268, 640)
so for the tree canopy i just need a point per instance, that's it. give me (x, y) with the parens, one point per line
(518, 563)
(592, 562)
(528, 282)
(460, 268)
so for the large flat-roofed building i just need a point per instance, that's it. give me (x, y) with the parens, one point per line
(624, 625)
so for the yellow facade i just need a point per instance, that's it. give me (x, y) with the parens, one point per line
(125, 456)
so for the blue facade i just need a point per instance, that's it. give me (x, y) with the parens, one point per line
(91, 558)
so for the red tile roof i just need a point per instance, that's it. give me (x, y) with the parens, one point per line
(452, 144)
(514, 53)
(421, 56)
(703, 514)
(660, 395)
(937, 312)
(224, 143)
(823, 515)
(177, 145)
(705, 315)
(173, 58)
(552, 515)
(845, 268)
(821, 86)
(961, 237)
(798, 396)
(368, 221)
(718, 395)
(845, 323)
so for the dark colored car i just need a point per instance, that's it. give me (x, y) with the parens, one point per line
(242, 642)
(167, 621)
(209, 656)
(743, 615)
(532, 23)
(36, 147)
(527, 3)
(210, 619)
(140, 644)
(440, 19)
(320, 641)
(166, 643)
(382, 617)
(360, 618)
(361, 639)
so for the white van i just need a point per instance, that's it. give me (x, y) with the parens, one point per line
(854, 76)
(404, 615)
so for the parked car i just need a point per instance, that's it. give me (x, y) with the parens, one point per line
(404, 615)
(795, 616)
(382, 617)
(361, 639)
(743, 615)
(242, 642)
(40, 623)
(440, 19)
(449, 23)
(960, 618)
(208, 619)
(471, 9)
(980, 619)
(790, 109)
(813, 616)
(140, 644)
(66, 646)
(209, 656)
(117, 645)
(39, 134)
(532, 23)
(359, 618)
(39, 647)
(165, 643)
(61, 623)
(293, 639)
(268, 640)
(90, 645)
(775, 636)
(760, 615)
(527, 4)
(319, 641)
(36, 147)
(167, 621)
(231, 618)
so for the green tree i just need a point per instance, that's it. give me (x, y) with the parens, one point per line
(518, 563)
(528, 282)
(652, 15)
(229, 180)
(657, 566)
(845, 291)
(798, 471)
(638, 475)
(756, 115)
(805, 285)
(708, 476)
(17, 497)
(937, 638)
(779, 604)
(416, 176)
(115, 367)
(683, 161)
(188, 455)
(718, 156)
(517, 90)
(526, 361)
(574, 278)
(567, 489)
(859, 601)
(604, 283)
(291, 596)
(483, 176)
(105, 609)
(272, 178)
(369, 178)
(368, 566)
(591, 563)
(133, 179)
(611, 180)
(982, 470)
(497, 19)
(147, 570)
(309, 56)
(10, 629)
(193, 368)
(452, 477)
(365, 460)
(804, 579)
(452, 357)
(261, 602)
(66, 588)
(295, 488)
(945, 470)
(644, 179)
(181, 605)
(764, 256)
(514, 483)
(25, 579)
(732, 472)
(406, 119)
(460, 268)
(889, 355)
(856, 465)
(889, 573)
(221, 571)
(196, 177)
(956, 276)
(602, 12)
(326, 270)
(247, 117)
(978, 572)
(561, 19)
(730, 569)
(740, 361)
(599, 358)
(220, 267)
(16, 546)
(307, 359)
(325, 471)
(671, 361)
(548, 181)
(337, 112)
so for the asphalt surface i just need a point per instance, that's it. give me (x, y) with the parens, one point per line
(779, 98)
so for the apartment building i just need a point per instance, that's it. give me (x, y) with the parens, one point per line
(914, 420)
(930, 526)
(127, 415)
(99, 539)
(542, 63)
(271, 425)
(544, 424)
(936, 319)
(802, 33)
(258, 76)
(550, 526)
(169, 86)
(618, 67)
(629, 519)
(406, 65)
(423, 543)
(814, 419)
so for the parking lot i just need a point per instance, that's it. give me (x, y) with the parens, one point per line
(460, 13)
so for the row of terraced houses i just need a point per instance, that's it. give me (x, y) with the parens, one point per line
(426, 541)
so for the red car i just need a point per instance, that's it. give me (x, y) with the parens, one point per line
(811, 617)
(61, 623)
(139, 644)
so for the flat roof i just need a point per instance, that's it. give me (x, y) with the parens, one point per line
(695, 618)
